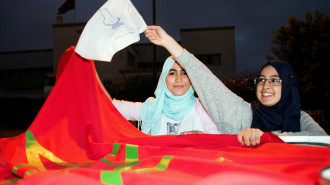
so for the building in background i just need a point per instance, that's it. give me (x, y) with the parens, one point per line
(24, 73)
(215, 47)
(32, 73)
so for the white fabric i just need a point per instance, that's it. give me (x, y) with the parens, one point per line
(113, 27)
(196, 119)
(189, 123)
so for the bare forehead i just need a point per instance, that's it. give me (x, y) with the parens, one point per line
(269, 71)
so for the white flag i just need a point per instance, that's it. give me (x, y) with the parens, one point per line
(113, 27)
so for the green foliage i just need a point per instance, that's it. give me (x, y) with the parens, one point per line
(305, 44)
(242, 85)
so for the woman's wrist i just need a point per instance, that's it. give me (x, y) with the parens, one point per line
(173, 47)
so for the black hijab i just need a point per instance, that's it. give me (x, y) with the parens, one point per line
(284, 115)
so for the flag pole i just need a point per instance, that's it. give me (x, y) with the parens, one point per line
(154, 46)
(67, 6)
(74, 11)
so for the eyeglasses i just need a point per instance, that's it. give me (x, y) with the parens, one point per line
(271, 81)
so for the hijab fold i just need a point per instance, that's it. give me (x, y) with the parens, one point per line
(284, 116)
(174, 107)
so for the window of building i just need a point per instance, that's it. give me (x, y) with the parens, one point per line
(210, 59)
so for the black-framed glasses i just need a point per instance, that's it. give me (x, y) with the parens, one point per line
(271, 81)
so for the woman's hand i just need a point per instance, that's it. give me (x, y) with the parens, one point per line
(158, 36)
(250, 136)
(192, 132)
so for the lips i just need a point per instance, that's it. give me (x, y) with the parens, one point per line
(267, 94)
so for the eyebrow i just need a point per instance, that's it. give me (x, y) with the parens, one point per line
(270, 75)
(177, 70)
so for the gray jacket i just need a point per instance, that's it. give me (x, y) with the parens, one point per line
(229, 111)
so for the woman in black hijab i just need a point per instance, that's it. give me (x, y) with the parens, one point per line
(284, 113)
(278, 106)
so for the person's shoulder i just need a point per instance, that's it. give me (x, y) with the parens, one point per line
(151, 99)
(198, 105)
(198, 101)
(305, 117)
(304, 114)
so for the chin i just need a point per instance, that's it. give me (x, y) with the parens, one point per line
(268, 104)
(179, 93)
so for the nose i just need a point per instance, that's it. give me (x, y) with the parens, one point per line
(178, 78)
(266, 84)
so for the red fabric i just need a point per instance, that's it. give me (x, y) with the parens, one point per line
(76, 118)
(78, 137)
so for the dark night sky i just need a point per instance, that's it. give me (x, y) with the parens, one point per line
(27, 25)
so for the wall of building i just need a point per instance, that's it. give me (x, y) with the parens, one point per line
(130, 60)
(16, 67)
(66, 35)
(218, 40)
(24, 73)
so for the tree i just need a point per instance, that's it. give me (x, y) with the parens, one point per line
(306, 46)
(242, 85)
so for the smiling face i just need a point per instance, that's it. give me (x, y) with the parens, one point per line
(177, 80)
(268, 95)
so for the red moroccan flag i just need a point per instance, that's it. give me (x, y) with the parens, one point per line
(79, 137)
(66, 6)
(76, 125)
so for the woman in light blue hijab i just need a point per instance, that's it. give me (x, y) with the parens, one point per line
(174, 109)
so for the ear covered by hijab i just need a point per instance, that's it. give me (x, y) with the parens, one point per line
(284, 116)
(174, 107)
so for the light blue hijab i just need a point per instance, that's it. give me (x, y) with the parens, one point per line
(174, 107)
